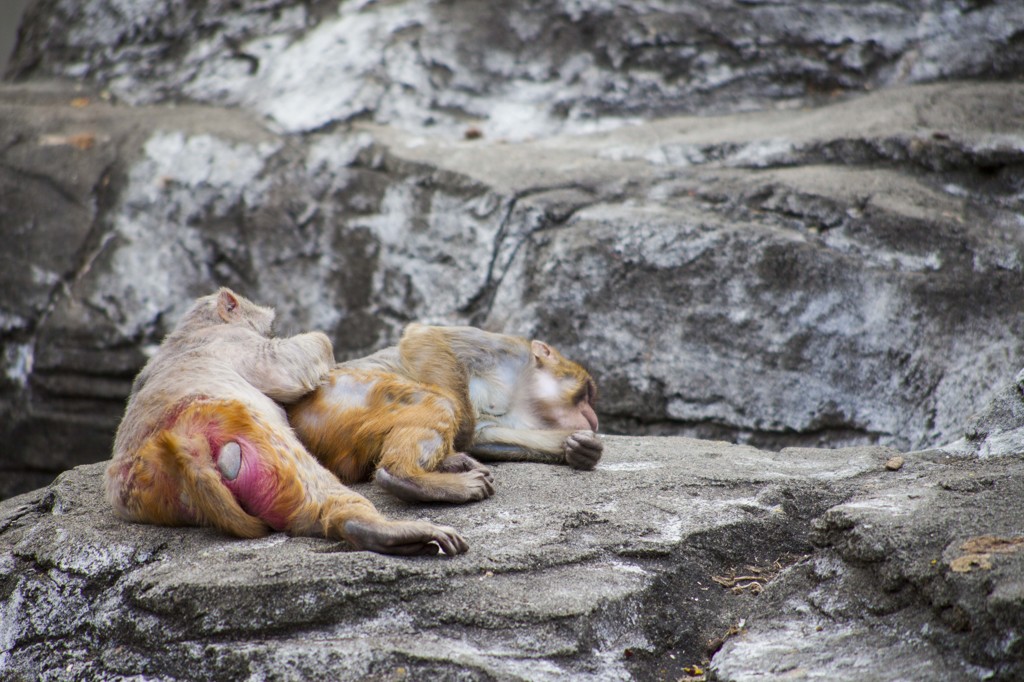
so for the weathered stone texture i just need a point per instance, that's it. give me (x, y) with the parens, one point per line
(615, 580)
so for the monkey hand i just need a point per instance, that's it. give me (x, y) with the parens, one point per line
(406, 538)
(287, 369)
(321, 354)
(583, 450)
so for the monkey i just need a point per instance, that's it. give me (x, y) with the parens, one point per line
(205, 441)
(419, 417)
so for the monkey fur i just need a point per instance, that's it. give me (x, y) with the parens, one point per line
(419, 416)
(203, 440)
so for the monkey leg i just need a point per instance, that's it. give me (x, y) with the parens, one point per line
(331, 509)
(339, 428)
(404, 538)
(365, 419)
(239, 472)
(417, 465)
(578, 449)
(460, 461)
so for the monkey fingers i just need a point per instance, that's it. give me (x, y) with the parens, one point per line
(583, 450)
(460, 461)
(405, 538)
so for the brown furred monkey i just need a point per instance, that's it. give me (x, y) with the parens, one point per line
(203, 441)
(413, 412)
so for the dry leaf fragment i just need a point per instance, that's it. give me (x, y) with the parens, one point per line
(754, 578)
(978, 552)
(992, 543)
(970, 562)
(83, 141)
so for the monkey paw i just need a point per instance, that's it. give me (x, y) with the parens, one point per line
(466, 486)
(460, 462)
(406, 538)
(479, 484)
(319, 359)
(583, 450)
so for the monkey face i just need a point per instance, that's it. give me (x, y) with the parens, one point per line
(564, 392)
(565, 402)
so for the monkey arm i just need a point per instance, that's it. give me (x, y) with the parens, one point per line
(287, 369)
(578, 449)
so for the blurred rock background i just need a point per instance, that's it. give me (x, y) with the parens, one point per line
(781, 223)
(10, 17)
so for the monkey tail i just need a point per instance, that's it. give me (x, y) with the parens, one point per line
(202, 488)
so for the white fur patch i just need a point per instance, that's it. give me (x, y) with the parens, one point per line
(488, 399)
(349, 392)
(547, 386)
(489, 392)
(428, 448)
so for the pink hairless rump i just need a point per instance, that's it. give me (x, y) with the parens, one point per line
(256, 484)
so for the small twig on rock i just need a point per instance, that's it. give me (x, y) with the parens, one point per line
(754, 578)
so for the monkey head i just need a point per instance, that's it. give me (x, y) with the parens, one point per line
(563, 392)
(227, 307)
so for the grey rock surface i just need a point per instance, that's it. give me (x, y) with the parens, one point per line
(998, 429)
(517, 69)
(632, 571)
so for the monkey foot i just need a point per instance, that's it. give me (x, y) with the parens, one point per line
(460, 462)
(467, 486)
(479, 483)
(405, 538)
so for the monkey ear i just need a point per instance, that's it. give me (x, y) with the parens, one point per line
(541, 351)
(227, 304)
